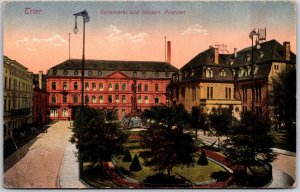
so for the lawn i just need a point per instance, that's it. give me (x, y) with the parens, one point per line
(192, 174)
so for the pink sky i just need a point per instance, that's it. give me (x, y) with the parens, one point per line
(40, 48)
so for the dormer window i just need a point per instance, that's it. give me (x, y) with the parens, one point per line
(134, 74)
(233, 72)
(241, 71)
(248, 57)
(90, 73)
(209, 73)
(144, 74)
(261, 54)
(167, 74)
(75, 72)
(222, 73)
(255, 69)
(99, 73)
(65, 72)
(54, 72)
(156, 74)
(248, 70)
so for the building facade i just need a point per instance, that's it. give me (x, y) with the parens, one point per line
(212, 79)
(40, 100)
(17, 93)
(107, 84)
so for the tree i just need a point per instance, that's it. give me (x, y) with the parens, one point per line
(98, 136)
(250, 142)
(135, 164)
(202, 159)
(167, 147)
(198, 119)
(283, 100)
(127, 157)
(220, 120)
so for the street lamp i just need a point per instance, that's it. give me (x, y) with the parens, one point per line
(253, 33)
(84, 14)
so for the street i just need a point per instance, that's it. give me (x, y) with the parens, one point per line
(41, 162)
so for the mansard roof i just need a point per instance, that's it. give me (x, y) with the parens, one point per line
(155, 66)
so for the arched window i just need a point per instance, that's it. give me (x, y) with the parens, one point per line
(110, 86)
(209, 73)
(156, 87)
(75, 99)
(101, 98)
(53, 85)
(101, 87)
(139, 87)
(222, 73)
(123, 86)
(146, 87)
(87, 86)
(75, 86)
(53, 98)
(117, 86)
(93, 99)
(87, 99)
(146, 99)
(94, 86)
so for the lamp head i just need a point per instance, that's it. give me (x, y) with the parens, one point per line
(75, 30)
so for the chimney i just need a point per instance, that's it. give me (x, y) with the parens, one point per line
(235, 52)
(169, 52)
(216, 56)
(40, 79)
(286, 50)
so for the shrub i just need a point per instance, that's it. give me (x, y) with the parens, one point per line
(127, 156)
(135, 165)
(202, 159)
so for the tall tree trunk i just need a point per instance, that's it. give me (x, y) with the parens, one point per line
(196, 133)
(169, 172)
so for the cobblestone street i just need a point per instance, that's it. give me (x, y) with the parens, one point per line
(41, 162)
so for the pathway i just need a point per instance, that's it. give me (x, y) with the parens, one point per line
(41, 159)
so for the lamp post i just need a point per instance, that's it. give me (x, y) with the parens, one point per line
(84, 14)
(253, 33)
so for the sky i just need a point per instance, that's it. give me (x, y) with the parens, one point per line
(36, 34)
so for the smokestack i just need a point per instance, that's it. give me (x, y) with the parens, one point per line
(40, 79)
(286, 50)
(235, 52)
(216, 58)
(169, 52)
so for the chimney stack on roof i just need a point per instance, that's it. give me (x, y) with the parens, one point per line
(169, 52)
(235, 52)
(286, 51)
(40, 79)
(216, 56)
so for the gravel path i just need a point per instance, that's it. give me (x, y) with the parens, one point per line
(41, 160)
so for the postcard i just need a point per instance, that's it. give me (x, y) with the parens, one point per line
(149, 94)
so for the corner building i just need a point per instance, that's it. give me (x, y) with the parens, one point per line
(107, 84)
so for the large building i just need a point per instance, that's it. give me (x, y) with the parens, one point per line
(107, 84)
(40, 100)
(17, 93)
(213, 79)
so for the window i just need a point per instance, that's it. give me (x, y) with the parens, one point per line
(101, 87)
(210, 93)
(209, 73)
(144, 74)
(146, 87)
(93, 99)
(64, 99)
(123, 98)
(110, 87)
(75, 72)
(117, 86)
(193, 94)
(99, 73)
(54, 72)
(65, 112)
(109, 98)
(117, 99)
(75, 99)
(156, 74)
(53, 85)
(87, 99)
(261, 54)
(156, 87)
(123, 86)
(228, 92)
(87, 86)
(75, 86)
(139, 99)
(134, 74)
(167, 74)
(65, 72)
(123, 112)
(139, 87)
(222, 73)
(53, 99)
(117, 112)
(146, 99)
(53, 113)
(276, 67)
(65, 86)
(94, 86)
(89, 73)
(244, 94)
(101, 98)
(156, 100)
